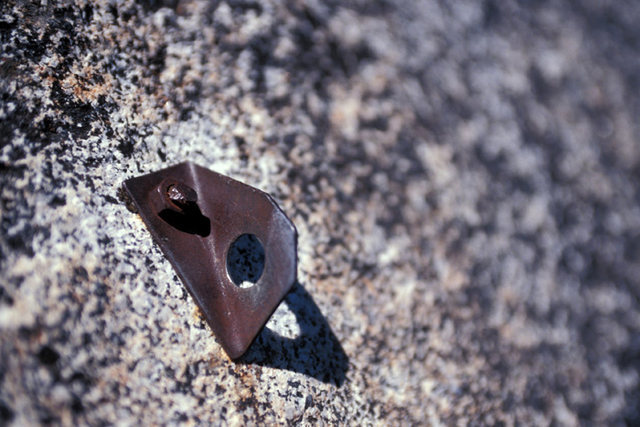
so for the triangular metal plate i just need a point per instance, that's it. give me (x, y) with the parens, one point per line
(199, 253)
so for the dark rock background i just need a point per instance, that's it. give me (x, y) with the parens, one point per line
(463, 176)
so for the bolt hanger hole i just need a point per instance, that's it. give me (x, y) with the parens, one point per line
(245, 260)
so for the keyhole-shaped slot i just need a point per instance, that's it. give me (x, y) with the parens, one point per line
(189, 220)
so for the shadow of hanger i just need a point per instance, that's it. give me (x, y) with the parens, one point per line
(315, 352)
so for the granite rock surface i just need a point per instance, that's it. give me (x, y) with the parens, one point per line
(464, 178)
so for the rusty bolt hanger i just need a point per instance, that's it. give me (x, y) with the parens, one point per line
(195, 215)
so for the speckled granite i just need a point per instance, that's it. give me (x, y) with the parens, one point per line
(463, 176)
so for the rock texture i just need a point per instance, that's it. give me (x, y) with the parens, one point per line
(463, 176)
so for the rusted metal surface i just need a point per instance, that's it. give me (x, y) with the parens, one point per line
(195, 215)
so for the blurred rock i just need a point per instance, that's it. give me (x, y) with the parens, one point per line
(463, 176)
